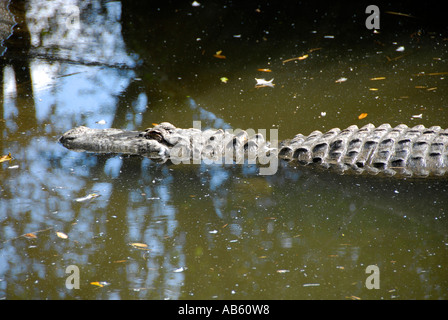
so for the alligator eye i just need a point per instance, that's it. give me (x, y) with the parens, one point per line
(155, 135)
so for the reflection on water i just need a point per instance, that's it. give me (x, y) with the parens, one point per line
(204, 231)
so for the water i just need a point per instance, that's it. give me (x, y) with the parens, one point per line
(160, 231)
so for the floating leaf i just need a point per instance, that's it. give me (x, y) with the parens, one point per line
(340, 80)
(282, 271)
(219, 55)
(30, 235)
(378, 78)
(6, 158)
(88, 197)
(224, 79)
(362, 116)
(264, 70)
(263, 83)
(99, 283)
(61, 235)
(373, 89)
(137, 245)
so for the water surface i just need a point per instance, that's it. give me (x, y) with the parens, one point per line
(159, 231)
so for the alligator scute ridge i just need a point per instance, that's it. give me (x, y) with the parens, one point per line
(400, 151)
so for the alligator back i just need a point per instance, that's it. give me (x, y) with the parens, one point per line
(416, 151)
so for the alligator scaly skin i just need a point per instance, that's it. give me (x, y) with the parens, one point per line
(404, 151)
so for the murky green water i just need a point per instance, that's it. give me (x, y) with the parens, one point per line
(205, 231)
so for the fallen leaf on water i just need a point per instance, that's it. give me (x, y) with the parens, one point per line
(87, 197)
(340, 80)
(224, 79)
(137, 245)
(373, 89)
(263, 83)
(378, 78)
(419, 116)
(30, 235)
(362, 116)
(219, 55)
(264, 70)
(353, 297)
(6, 158)
(282, 271)
(99, 283)
(61, 235)
(120, 261)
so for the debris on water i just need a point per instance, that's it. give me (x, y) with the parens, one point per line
(282, 271)
(102, 122)
(87, 197)
(30, 235)
(61, 235)
(100, 283)
(377, 78)
(417, 116)
(297, 58)
(5, 158)
(263, 83)
(340, 80)
(181, 269)
(140, 246)
(400, 49)
(224, 79)
(195, 4)
(219, 55)
(311, 285)
(362, 116)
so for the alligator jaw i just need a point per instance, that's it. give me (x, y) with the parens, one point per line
(112, 141)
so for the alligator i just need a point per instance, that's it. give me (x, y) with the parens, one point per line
(399, 151)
